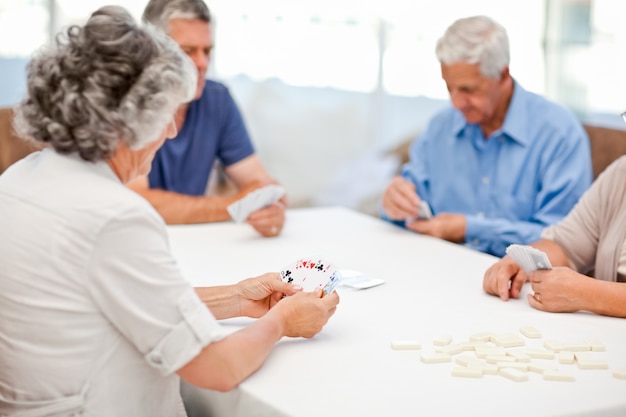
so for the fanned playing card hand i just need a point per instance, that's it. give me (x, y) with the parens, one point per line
(255, 200)
(311, 273)
(528, 258)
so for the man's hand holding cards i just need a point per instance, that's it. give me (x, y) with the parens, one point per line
(528, 258)
(424, 212)
(310, 274)
(255, 200)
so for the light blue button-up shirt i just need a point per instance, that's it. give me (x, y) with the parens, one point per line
(525, 176)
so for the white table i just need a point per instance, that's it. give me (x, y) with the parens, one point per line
(432, 287)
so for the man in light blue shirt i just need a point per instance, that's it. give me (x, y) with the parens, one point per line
(499, 165)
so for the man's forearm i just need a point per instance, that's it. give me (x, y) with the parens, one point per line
(178, 208)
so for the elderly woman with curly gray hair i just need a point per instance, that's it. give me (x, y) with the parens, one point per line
(95, 317)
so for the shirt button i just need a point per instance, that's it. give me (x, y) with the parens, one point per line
(475, 242)
(480, 215)
(156, 359)
(485, 180)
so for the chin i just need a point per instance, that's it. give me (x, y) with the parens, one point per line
(472, 118)
(200, 89)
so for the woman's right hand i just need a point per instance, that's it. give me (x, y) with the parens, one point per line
(304, 314)
(505, 279)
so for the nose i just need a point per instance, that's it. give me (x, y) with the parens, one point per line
(201, 61)
(459, 100)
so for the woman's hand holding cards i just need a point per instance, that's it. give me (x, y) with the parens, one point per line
(305, 313)
(258, 295)
(301, 298)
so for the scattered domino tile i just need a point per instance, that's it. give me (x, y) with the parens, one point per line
(484, 351)
(517, 365)
(596, 345)
(449, 349)
(508, 340)
(499, 358)
(443, 340)
(513, 374)
(592, 364)
(550, 375)
(620, 373)
(480, 337)
(519, 356)
(467, 372)
(566, 357)
(405, 345)
(436, 357)
(587, 360)
(530, 332)
(471, 345)
(466, 360)
(540, 368)
(486, 368)
(540, 354)
(577, 347)
(553, 345)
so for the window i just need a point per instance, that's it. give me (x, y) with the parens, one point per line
(26, 24)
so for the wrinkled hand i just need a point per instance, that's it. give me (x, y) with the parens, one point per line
(400, 200)
(258, 295)
(306, 313)
(505, 279)
(557, 290)
(269, 220)
(445, 226)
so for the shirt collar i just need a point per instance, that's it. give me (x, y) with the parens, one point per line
(517, 116)
(100, 167)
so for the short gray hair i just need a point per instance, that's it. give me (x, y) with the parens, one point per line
(476, 40)
(107, 81)
(160, 12)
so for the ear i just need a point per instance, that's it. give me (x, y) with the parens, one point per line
(504, 75)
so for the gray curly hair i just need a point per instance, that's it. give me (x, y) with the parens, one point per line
(107, 81)
(476, 40)
(160, 12)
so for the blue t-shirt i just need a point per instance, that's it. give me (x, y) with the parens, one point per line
(527, 175)
(213, 129)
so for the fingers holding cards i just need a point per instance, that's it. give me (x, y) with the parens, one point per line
(424, 212)
(268, 221)
(400, 200)
(255, 200)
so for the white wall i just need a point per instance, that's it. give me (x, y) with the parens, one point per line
(329, 147)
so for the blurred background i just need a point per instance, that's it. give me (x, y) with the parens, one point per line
(330, 90)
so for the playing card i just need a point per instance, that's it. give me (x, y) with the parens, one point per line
(424, 212)
(357, 280)
(311, 273)
(528, 258)
(253, 201)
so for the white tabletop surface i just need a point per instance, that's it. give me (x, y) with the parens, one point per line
(432, 288)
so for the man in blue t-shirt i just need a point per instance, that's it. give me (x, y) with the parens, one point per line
(498, 165)
(210, 129)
